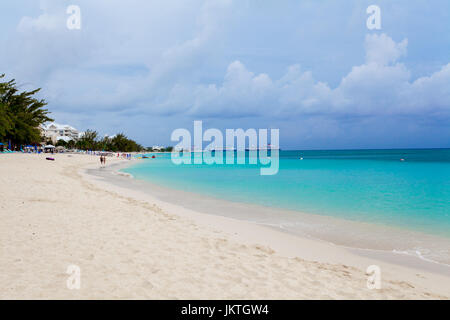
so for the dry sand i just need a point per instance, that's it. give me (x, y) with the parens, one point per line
(131, 246)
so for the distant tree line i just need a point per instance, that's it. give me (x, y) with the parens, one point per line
(20, 114)
(91, 141)
(167, 149)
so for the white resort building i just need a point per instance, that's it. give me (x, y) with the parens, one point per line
(56, 132)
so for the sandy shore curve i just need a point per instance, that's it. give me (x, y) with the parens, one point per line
(128, 245)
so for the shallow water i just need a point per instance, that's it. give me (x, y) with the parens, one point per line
(371, 186)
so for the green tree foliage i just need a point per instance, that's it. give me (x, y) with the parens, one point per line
(119, 143)
(5, 121)
(68, 145)
(88, 141)
(61, 143)
(20, 114)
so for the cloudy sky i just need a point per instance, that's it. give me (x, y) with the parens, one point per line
(310, 68)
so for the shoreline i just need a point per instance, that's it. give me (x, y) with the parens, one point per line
(132, 246)
(284, 242)
(311, 223)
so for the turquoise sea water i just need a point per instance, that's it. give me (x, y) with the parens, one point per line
(361, 185)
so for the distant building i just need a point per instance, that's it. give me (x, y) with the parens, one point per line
(64, 138)
(56, 132)
(158, 148)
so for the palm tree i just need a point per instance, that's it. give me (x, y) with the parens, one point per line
(88, 141)
(121, 143)
(5, 122)
(21, 114)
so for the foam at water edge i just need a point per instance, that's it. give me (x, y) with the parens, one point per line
(123, 174)
(419, 255)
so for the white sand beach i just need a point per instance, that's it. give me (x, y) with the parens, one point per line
(129, 245)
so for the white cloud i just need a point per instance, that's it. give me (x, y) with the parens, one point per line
(67, 63)
(431, 93)
(194, 62)
(382, 50)
(381, 86)
(45, 22)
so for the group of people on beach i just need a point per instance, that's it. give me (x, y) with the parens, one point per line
(125, 155)
(102, 160)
